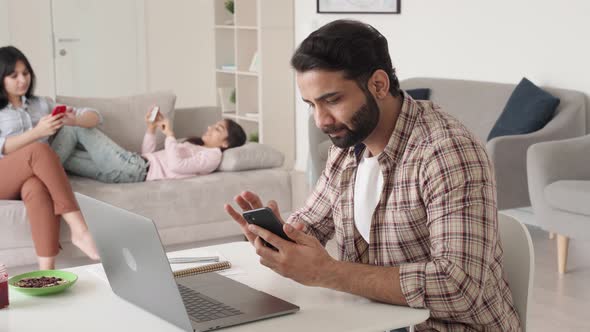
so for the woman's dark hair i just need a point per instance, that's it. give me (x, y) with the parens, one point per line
(355, 48)
(9, 56)
(236, 136)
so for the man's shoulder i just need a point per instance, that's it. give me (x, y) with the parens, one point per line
(435, 127)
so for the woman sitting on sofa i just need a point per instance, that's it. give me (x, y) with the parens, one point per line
(29, 169)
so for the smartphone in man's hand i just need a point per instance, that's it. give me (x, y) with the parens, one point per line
(265, 218)
(59, 109)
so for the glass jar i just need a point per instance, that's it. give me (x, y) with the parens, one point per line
(3, 286)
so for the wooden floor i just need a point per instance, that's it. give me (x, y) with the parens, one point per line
(559, 302)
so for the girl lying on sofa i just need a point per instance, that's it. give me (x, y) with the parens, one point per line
(29, 169)
(104, 160)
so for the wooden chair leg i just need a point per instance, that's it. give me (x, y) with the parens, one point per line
(551, 235)
(562, 247)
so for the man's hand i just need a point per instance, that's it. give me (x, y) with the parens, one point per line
(249, 201)
(305, 261)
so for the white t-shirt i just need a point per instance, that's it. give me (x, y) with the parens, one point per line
(367, 192)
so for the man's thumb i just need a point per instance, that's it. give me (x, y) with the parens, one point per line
(295, 234)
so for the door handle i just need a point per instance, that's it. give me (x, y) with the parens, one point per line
(63, 52)
(68, 40)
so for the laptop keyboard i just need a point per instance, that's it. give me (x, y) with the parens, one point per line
(203, 308)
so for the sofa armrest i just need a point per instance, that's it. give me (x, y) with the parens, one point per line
(568, 159)
(549, 162)
(509, 155)
(194, 121)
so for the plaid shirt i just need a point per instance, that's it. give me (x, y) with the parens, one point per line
(436, 220)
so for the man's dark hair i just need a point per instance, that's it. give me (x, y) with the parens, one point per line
(355, 48)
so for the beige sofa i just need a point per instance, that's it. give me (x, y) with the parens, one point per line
(185, 210)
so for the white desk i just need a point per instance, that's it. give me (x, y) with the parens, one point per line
(90, 305)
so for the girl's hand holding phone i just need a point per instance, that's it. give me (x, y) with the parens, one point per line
(165, 127)
(69, 118)
(152, 117)
(48, 125)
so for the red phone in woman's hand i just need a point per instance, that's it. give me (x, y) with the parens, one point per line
(59, 109)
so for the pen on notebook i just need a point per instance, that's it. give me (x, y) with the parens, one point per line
(184, 260)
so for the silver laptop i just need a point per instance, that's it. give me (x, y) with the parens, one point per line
(139, 272)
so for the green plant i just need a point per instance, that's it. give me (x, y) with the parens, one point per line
(232, 97)
(229, 5)
(253, 137)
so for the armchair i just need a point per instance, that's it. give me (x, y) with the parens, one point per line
(559, 188)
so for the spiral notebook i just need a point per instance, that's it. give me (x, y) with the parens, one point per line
(202, 269)
(224, 268)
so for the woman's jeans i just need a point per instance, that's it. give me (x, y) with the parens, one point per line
(88, 152)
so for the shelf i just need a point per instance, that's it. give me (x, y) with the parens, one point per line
(233, 72)
(232, 27)
(233, 116)
(222, 26)
(258, 42)
(247, 73)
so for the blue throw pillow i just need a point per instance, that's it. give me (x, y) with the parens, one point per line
(528, 109)
(419, 94)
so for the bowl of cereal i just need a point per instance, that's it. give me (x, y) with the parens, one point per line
(42, 282)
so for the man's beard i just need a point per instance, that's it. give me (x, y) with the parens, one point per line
(364, 121)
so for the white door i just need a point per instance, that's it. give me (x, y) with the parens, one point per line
(99, 47)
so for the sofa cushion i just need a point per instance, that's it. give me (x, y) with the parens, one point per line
(123, 117)
(13, 216)
(528, 109)
(250, 156)
(191, 201)
(569, 195)
(419, 94)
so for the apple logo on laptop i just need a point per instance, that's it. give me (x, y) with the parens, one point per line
(129, 259)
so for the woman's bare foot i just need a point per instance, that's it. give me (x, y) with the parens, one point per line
(85, 242)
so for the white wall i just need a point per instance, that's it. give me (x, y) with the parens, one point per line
(181, 51)
(179, 45)
(4, 31)
(29, 29)
(501, 41)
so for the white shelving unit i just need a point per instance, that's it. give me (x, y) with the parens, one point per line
(264, 94)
